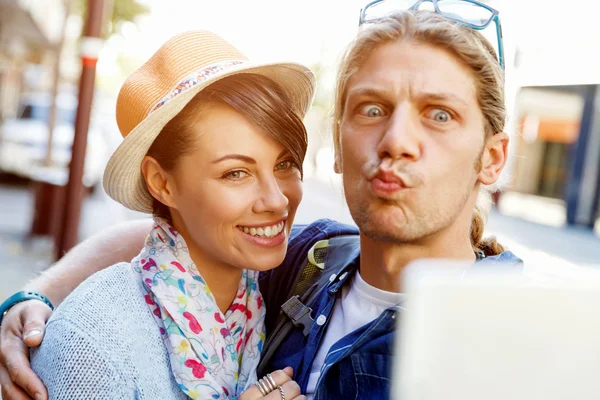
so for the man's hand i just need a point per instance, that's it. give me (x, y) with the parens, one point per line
(22, 327)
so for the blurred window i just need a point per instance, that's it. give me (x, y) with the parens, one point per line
(41, 113)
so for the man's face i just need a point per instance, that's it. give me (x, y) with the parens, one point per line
(412, 136)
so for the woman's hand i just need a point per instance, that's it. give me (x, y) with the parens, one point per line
(22, 327)
(282, 378)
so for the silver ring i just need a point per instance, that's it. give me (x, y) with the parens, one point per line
(281, 392)
(271, 382)
(260, 384)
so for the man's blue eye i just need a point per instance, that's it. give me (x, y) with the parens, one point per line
(440, 115)
(372, 111)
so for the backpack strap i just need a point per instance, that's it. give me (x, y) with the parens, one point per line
(324, 258)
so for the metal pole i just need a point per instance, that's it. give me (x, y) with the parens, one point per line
(578, 153)
(91, 44)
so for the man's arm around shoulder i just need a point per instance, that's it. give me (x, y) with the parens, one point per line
(111, 246)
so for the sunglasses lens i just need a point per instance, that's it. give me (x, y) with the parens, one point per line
(465, 11)
(384, 8)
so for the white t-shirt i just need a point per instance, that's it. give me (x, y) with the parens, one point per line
(359, 304)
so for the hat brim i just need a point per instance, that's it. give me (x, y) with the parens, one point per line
(123, 180)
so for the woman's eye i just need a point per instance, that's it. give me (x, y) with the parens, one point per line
(372, 111)
(235, 175)
(285, 165)
(439, 115)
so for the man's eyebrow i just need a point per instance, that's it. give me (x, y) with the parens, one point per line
(239, 157)
(366, 92)
(439, 96)
(421, 96)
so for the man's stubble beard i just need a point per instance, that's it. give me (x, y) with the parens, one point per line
(415, 228)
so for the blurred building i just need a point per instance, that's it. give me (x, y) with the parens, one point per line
(29, 31)
(556, 126)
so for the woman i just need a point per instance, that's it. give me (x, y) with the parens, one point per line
(213, 147)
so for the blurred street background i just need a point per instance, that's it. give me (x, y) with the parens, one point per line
(549, 208)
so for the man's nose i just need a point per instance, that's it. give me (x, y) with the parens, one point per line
(402, 137)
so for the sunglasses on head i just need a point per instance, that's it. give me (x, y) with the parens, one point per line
(470, 13)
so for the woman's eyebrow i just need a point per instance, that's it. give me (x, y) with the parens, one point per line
(240, 157)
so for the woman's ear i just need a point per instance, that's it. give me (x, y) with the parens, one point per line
(159, 182)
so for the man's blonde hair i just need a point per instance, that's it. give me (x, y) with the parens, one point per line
(467, 45)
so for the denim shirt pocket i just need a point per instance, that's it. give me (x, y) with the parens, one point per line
(372, 373)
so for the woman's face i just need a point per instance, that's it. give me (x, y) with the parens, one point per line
(235, 195)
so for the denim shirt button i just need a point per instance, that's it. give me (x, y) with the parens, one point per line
(321, 320)
(332, 277)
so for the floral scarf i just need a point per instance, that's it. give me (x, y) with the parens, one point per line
(213, 356)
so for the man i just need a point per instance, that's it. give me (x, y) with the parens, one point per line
(419, 122)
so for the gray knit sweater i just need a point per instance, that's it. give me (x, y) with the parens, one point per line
(103, 343)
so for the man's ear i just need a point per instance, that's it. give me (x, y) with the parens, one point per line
(337, 146)
(493, 158)
(159, 182)
(337, 164)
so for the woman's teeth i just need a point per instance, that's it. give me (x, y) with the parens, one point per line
(267, 231)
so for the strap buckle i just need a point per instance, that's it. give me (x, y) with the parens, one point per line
(299, 313)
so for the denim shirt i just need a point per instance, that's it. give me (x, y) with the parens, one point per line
(359, 365)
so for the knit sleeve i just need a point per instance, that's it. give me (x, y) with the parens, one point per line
(74, 366)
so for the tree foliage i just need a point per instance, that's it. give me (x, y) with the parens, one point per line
(122, 11)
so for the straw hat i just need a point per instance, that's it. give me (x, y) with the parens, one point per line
(161, 88)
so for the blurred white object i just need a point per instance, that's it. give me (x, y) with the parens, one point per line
(325, 159)
(492, 332)
(24, 139)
